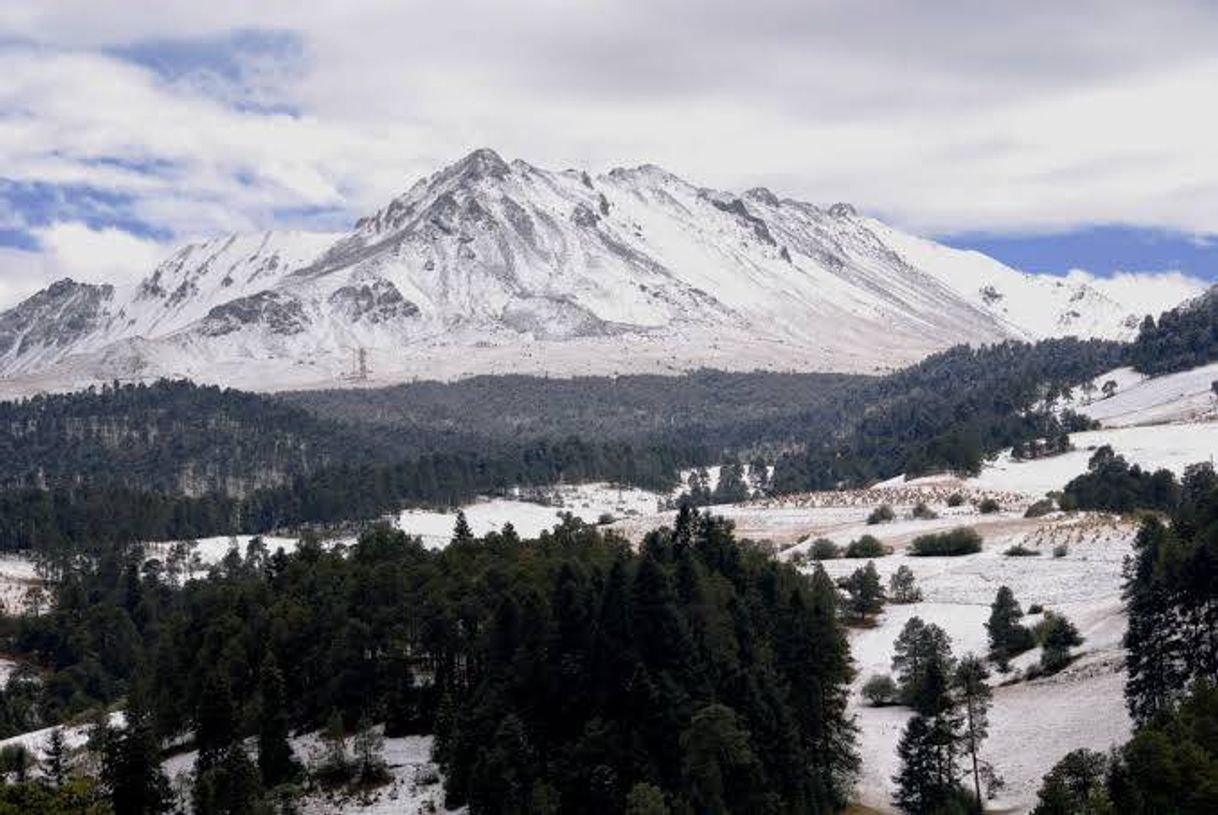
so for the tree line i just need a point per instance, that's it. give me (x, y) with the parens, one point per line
(69, 519)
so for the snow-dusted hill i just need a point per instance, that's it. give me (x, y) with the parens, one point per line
(489, 267)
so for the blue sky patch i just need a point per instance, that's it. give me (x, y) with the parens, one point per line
(40, 204)
(240, 68)
(1101, 250)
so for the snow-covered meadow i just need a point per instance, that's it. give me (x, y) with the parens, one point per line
(1080, 707)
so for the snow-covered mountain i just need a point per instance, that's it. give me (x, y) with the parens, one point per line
(491, 267)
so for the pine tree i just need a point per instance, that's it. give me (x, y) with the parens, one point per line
(275, 760)
(902, 588)
(1154, 663)
(230, 786)
(215, 722)
(922, 661)
(975, 697)
(461, 529)
(918, 791)
(1075, 786)
(866, 592)
(131, 763)
(1007, 636)
(58, 758)
(1059, 636)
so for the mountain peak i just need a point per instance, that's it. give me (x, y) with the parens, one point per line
(481, 163)
(486, 266)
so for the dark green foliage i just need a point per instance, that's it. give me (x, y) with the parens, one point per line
(1056, 635)
(175, 461)
(16, 762)
(926, 783)
(922, 661)
(171, 437)
(988, 506)
(1019, 550)
(276, 764)
(732, 486)
(823, 549)
(737, 411)
(867, 546)
(1171, 596)
(66, 520)
(557, 675)
(1184, 337)
(955, 500)
(131, 763)
(1171, 764)
(720, 769)
(881, 515)
(368, 755)
(880, 690)
(947, 413)
(1110, 483)
(1056, 445)
(79, 796)
(1008, 637)
(1041, 508)
(918, 788)
(334, 765)
(230, 786)
(58, 758)
(922, 512)
(866, 593)
(962, 540)
(1076, 786)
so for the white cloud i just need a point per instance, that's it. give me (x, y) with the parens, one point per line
(21, 274)
(943, 117)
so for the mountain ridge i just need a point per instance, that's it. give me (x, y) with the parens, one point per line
(488, 266)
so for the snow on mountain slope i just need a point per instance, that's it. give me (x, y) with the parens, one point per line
(1138, 399)
(1033, 305)
(488, 267)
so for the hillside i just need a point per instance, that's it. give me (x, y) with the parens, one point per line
(493, 267)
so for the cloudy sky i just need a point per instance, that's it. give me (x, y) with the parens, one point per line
(1056, 136)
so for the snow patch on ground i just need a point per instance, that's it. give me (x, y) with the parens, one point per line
(1170, 446)
(1183, 396)
(415, 784)
(1080, 707)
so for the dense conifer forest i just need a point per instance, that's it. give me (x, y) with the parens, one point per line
(571, 670)
(1182, 338)
(88, 516)
(174, 460)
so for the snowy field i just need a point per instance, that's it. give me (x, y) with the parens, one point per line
(1173, 446)
(1080, 707)
(415, 784)
(1186, 396)
(586, 501)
